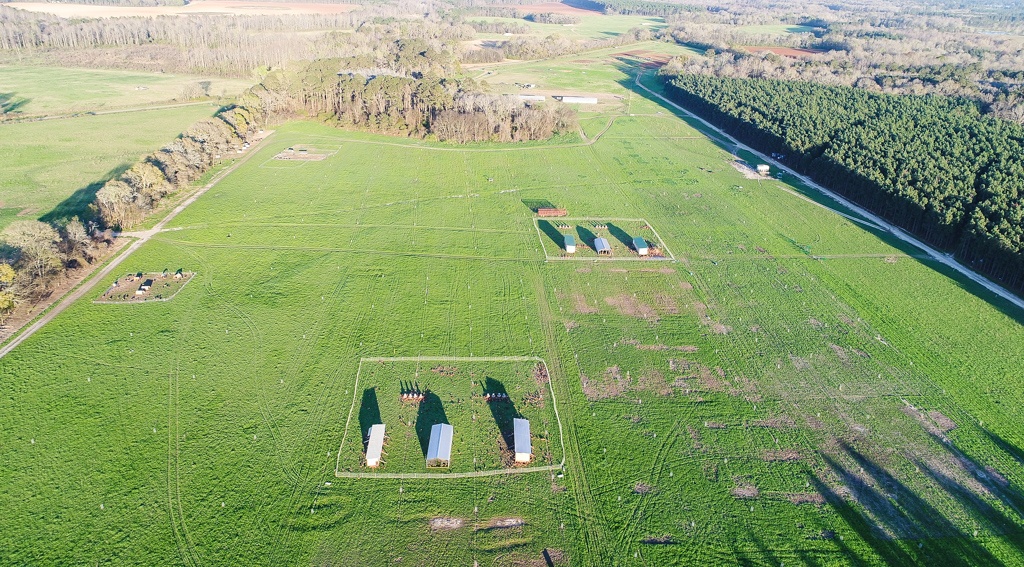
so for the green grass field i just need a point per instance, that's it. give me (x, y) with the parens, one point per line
(31, 88)
(793, 389)
(596, 26)
(55, 167)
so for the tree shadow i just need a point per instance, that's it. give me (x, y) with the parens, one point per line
(586, 237)
(11, 102)
(430, 413)
(896, 510)
(77, 205)
(1005, 446)
(621, 236)
(503, 410)
(549, 229)
(537, 204)
(369, 413)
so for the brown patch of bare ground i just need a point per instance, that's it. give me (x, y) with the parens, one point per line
(778, 422)
(581, 305)
(440, 524)
(540, 374)
(654, 381)
(502, 523)
(702, 314)
(570, 325)
(781, 455)
(643, 488)
(943, 422)
(629, 306)
(610, 384)
(806, 498)
(841, 353)
(745, 489)
(686, 285)
(666, 304)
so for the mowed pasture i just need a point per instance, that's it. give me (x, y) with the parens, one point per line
(793, 389)
(30, 89)
(55, 167)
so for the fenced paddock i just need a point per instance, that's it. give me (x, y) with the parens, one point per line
(619, 232)
(478, 396)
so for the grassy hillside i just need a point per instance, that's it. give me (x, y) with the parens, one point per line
(795, 388)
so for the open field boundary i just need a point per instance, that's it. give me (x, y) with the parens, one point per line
(549, 256)
(474, 474)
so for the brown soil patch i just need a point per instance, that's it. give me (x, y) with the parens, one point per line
(555, 8)
(660, 540)
(744, 490)
(944, 423)
(540, 374)
(654, 381)
(841, 353)
(793, 52)
(629, 306)
(642, 488)
(782, 455)
(702, 314)
(581, 305)
(806, 498)
(714, 425)
(301, 154)
(570, 325)
(686, 285)
(816, 323)
(439, 524)
(799, 363)
(446, 371)
(195, 7)
(610, 384)
(127, 288)
(503, 523)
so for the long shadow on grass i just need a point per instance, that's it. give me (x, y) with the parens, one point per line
(536, 204)
(893, 509)
(503, 410)
(430, 413)
(621, 235)
(77, 205)
(586, 237)
(11, 102)
(549, 229)
(369, 413)
(630, 69)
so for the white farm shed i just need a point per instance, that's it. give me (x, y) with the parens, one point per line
(375, 446)
(570, 244)
(578, 99)
(764, 169)
(524, 451)
(602, 246)
(439, 450)
(641, 245)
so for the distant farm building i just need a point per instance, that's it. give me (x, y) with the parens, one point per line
(146, 286)
(524, 451)
(602, 246)
(551, 212)
(764, 169)
(570, 244)
(577, 99)
(641, 246)
(531, 98)
(375, 446)
(439, 450)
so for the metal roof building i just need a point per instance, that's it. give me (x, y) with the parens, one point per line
(570, 244)
(439, 450)
(641, 246)
(375, 446)
(524, 451)
(578, 99)
(602, 246)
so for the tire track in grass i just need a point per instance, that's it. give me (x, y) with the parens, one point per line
(300, 476)
(593, 540)
(183, 540)
(628, 538)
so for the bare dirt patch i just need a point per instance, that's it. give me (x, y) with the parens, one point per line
(570, 325)
(781, 455)
(302, 154)
(702, 314)
(654, 381)
(540, 374)
(841, 353)
(610, 384)
(778, 422)
(666, 303)
(806, 498)
(686, 285)
(744, 489)
(581, 305)
(943, 422)
(643, 488)
(629, 306)
(502, 523)
(442, 524)
(140, 287)
(745, 169)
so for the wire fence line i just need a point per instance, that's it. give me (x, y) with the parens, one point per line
(495, 472)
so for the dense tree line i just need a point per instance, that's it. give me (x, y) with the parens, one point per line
(552, 18)
(635, 7)
(482, 26)
(933, 165)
